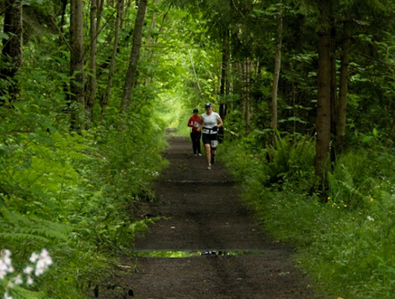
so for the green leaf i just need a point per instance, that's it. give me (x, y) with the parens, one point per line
(4, 36)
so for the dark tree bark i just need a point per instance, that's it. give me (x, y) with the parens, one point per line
(334, 100)
(342, 104)
(239, 87)
(63, 14)
(12, 49)
(248, 75)
(224, 73)
(134, 56)
(76, 60)
(323, 120)
(95, 18)
(277, 68)
(106, 96)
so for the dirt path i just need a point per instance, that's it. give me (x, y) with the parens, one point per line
(226, 254)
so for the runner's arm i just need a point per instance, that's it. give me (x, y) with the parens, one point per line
(201, 122)
(220, 122)
(190, 122)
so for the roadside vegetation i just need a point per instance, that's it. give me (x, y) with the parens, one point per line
(74, 195)
(345, 239)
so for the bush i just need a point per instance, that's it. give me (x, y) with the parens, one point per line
(72, 194)
(346, 243)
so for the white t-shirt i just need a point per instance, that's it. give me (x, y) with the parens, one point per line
(210, 121)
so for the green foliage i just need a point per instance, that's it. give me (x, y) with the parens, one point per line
(345, 243)
(73, 194)
(289, 159)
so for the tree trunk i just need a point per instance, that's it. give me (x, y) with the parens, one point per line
(333, 94)
(63, 14)
(342, 106)
(194, 70)
(224, 73)
(240, 89)
(76, 60)
(150, 49)
(95, 18)
(106, 96)
(248, 75)
(92, 82)
(277, 68)
(12, 48)
(134, 56)
(61, 40)
(323, 120)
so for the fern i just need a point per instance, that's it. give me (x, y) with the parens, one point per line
(20, 293)
(24, 228)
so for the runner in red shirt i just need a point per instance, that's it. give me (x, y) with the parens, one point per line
(194, 123)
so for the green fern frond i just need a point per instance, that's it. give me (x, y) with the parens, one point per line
(14, 236)
(18, 292)
(352, 190)
(33, 228)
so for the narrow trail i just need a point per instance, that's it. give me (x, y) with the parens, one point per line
(226, 255)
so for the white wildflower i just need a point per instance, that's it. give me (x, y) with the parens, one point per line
(18, 279)
(41, 263)
(370, 218)
(44, 261)
(3, 269)
(6, 296)
(28, 270)
(34, 257)
(29, 281)
(5, 263)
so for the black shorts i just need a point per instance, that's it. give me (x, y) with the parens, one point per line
(211, 139)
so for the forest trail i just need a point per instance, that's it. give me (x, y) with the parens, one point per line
(226, 255)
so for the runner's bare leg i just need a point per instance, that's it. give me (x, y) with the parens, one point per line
(208, 153)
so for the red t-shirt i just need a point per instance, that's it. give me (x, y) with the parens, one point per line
(194, 123)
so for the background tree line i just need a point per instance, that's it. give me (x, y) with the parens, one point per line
(304, 67)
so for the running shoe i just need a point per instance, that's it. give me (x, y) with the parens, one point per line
(209, 167)
(199, 154)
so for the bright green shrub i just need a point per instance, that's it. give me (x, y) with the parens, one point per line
(73, 195)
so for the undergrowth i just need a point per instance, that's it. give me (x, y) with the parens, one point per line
(71, 194)
(346, 242)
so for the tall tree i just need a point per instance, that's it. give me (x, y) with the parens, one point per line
(343, 90)
(95, 18)
(134, 56)
(76, 59)
(107, 94)
(277, 68)
(224, 74)
(323, 119)
(12, 48)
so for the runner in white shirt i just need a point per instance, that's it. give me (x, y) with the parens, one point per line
(210, 122)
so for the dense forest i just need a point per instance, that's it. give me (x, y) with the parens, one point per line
(88, 87)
